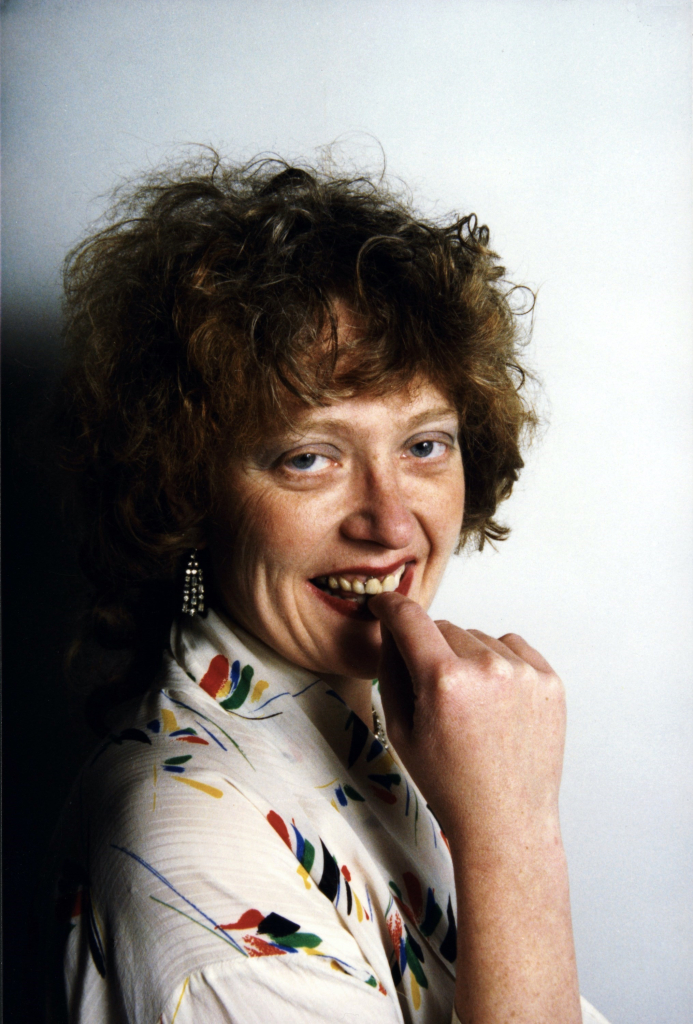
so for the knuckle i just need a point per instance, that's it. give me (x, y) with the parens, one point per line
(526, 674)
(555, 687)
(447, 677)
(495, 667)
(510, 638)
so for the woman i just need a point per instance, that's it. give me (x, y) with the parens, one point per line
(289, 400)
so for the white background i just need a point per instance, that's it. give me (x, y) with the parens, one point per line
(566, 125)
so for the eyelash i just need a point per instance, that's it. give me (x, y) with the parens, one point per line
(287, 463)
(303, 455)
(431, 441)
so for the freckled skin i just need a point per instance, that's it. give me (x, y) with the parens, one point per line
(386, 484)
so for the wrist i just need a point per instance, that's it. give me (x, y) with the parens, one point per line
(515, 947)
(495, 842)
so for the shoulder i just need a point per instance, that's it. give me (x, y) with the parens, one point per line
(162, 791)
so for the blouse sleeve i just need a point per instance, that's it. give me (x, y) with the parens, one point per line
(263, 991)
(268, 989)
(590, 1015)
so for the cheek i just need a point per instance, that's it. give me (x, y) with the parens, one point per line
(236, 538)
(265, 536)
(447, 513)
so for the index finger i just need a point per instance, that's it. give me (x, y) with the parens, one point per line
(416, 635)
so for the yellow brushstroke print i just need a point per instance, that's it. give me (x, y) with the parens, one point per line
(359, 908)
(182, 993)
(415, 992)
(258, 690)
(305, 876)
(202, 786)
(224, 691)
(170, 723)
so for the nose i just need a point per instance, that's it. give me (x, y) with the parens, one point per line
(380, 513)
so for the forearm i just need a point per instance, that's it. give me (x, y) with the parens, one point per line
(515, 953)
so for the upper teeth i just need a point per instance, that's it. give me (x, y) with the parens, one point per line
(368, 584)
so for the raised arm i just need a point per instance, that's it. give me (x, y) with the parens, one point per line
(480, 725)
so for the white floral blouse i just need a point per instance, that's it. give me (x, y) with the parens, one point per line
(243, 849)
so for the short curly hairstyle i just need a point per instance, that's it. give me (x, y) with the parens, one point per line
(206, 305)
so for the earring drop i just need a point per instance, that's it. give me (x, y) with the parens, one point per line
(193, 587)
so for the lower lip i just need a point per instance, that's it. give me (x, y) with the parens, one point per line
(360, 611)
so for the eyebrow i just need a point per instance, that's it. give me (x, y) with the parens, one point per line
(432, 414)
(415, 421)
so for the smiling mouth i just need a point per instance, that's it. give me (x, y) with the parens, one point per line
(356, 588)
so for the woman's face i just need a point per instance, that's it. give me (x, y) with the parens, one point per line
(363, 488)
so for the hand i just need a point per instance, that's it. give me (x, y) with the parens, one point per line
(480, 724)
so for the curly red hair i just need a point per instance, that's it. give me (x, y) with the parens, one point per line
(206, 305)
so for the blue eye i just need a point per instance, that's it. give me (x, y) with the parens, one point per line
(307, 461)
(423, 449)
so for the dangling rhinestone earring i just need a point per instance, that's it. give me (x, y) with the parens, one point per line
(193, 586)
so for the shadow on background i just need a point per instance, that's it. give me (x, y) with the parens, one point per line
(44, 738)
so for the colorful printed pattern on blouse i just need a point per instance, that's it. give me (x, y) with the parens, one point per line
(292, 763)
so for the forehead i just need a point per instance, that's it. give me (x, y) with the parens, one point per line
(417, 404)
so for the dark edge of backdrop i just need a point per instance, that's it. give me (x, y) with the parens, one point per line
(44, 739)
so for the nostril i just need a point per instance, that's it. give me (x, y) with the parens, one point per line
(391, 527)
